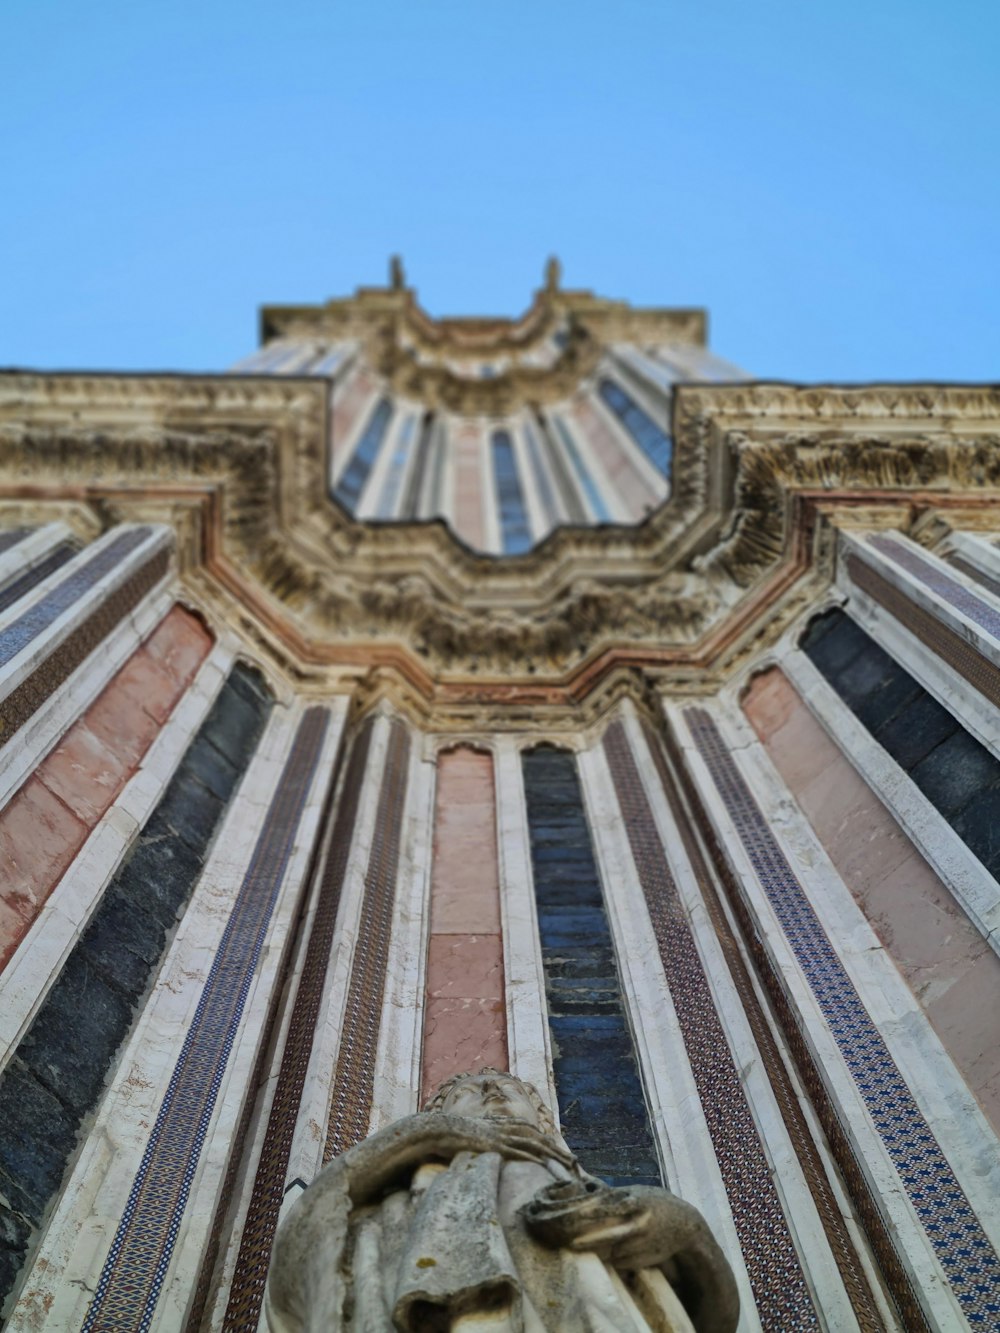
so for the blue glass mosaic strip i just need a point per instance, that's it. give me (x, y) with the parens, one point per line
(954, 1232)
(20, 632)
(133, 1274)
(602, 1105)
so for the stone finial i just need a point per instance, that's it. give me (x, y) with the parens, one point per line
(475, 1210)
(553, 274)
(397, 276)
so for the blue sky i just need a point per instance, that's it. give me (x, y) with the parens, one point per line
(823, 177)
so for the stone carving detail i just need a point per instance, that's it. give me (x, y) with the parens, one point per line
(474, 1215)
(763, 474)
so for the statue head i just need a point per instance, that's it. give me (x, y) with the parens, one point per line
(493, 1095)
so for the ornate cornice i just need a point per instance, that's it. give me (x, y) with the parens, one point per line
(237, 465)
(436, 362)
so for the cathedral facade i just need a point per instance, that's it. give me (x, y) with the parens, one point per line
(545, 695)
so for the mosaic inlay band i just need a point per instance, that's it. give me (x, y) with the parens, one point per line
(133, 1274)
(31, 578)
(25, 700)
(955, 593)
(20, 632)
(354, 1080)
(978, 670)
(973, 572)
(786, 1095)
(779, 1286)
(246, 1292)
(953, 1231)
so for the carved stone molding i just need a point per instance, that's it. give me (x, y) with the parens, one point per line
(763, 475)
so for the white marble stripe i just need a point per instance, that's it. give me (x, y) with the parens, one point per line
(978, 550)
(49, 723)
(236, 1088)
(528, 1040)
(31, 550)
(937, 604)
(235, 1219)
(342, 447)
(818, 1264)
(60, 1285)
(369, 500)
(489, 499)
(538, 524)
(955, 863)
(44, 643)
(980, 717)
(306, 1155)
(935, 1084)
(39, 958)
(396, 1088)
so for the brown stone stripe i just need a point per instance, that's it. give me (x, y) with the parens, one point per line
(982, 674)
(465, 1024)
(246, 1292)
(897, 1279)
(781, 1293)
(354, 1079)
(25, 700)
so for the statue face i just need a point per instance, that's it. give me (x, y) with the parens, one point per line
(492, 1096)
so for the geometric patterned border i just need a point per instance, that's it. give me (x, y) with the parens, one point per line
(133, 1273)
(953, 1231)
(354, 1078)
(781, 1293)
(246, 1291)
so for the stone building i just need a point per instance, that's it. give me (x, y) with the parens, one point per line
(540, 693)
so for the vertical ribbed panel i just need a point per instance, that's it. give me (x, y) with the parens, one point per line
(351, 1105)
(246, 1292)
(465, 1025)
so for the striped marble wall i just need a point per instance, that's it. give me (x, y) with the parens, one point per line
(502, 483)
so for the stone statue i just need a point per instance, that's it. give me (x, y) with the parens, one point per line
(397, 276)
(553, 274)
(474, 1217)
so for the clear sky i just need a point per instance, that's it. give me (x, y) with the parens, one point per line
(824, 177)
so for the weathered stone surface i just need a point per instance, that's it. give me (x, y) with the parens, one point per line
(476, 1209)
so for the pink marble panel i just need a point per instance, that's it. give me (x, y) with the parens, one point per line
(466, 966)
(465, 893)
(469, 487)
(952, 972)
(465, 1024)
(461, 1035)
